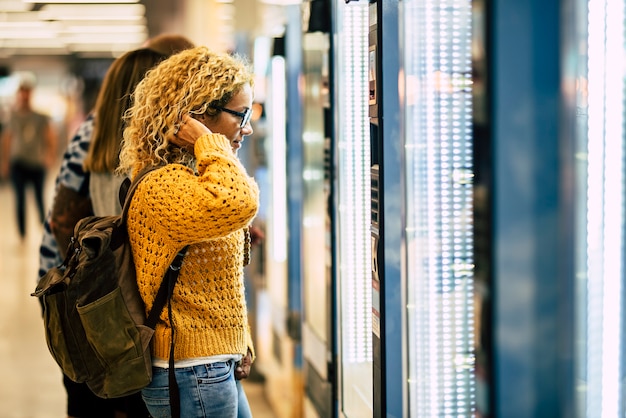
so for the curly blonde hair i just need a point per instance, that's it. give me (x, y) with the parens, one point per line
(196, 80)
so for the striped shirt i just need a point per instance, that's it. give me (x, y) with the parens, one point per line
(73, 176)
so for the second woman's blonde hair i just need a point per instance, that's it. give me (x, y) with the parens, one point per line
(196, 80)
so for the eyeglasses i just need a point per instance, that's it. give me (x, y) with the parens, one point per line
(245, 116)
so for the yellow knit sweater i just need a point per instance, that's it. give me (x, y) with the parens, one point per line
(173, 207)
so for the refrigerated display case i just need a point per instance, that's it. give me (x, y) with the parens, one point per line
(318, 336)
(278, 350)
(438, 140)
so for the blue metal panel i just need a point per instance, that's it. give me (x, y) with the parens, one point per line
(528, 328)
(571, 200)
(393, 192)
(293, 58)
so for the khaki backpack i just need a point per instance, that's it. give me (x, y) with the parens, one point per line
(95, 322)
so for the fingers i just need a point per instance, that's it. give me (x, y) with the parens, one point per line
(184, 135)
(242, 371)
(180, 125)
(187, 131)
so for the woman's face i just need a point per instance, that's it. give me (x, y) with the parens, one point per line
(229, 124)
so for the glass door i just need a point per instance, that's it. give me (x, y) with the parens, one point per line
(438, 140)
(317, 224)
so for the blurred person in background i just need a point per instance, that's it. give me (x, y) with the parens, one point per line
(73, 200)
(28, 151)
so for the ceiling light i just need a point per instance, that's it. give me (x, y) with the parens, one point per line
(133, 39)
(113, 48)
(92, 12)
(6, 52)
(18, 16)
(28, 30)
(14, 6)
(103, 29)
(109, 22)
(32, 43)
(282, 2)
(81, 1)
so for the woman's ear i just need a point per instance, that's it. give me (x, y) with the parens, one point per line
(202, 118)
(198, 116)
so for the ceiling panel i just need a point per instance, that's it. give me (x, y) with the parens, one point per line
(104, 28)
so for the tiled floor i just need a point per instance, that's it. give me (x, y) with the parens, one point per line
(31, 383)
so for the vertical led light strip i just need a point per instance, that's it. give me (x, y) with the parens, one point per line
(353, 208)
(438, 140)
(613, 212)
(278, 165)
(354, 255)
(605, 207)
(353, 175)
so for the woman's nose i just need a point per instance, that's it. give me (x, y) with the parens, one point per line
(247, 129)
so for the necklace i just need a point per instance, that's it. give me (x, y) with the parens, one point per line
(247, 244)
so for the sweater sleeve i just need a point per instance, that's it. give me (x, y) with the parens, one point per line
(187, 208)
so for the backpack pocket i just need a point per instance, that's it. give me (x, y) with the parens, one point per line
(66, 341)
(119, 343)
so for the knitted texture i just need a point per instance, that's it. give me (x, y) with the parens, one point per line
(173, 207)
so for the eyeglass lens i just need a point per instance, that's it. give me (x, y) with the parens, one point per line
(247, 115)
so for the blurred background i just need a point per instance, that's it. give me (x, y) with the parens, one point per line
(68, 45)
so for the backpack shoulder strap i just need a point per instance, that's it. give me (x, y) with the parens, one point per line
(126, 192)
(165, 290)
(127, 189)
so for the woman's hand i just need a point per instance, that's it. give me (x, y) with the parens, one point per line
(242, 370)
(188, 132)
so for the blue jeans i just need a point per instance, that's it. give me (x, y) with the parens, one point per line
(208, 390)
